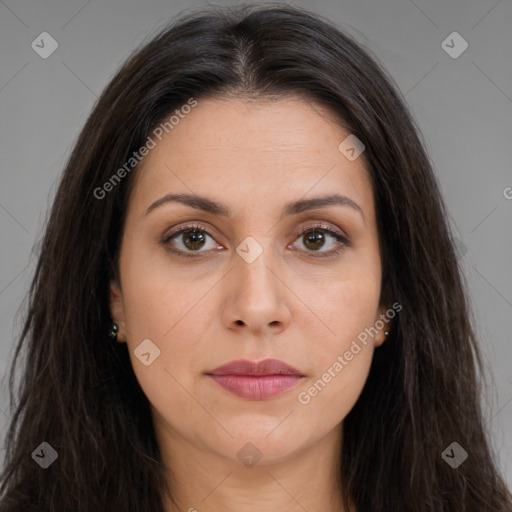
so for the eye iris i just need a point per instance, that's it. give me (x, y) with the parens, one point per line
(316, 238)
(193, 239)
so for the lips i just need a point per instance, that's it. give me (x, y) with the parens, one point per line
(249, 368)
(256, 380)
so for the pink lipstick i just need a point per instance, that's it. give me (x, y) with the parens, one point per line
(256, 380)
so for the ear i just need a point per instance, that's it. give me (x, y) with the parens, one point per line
(117, 309)
(383, 325)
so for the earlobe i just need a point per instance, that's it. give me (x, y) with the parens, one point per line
(383, 324)
(117, 309)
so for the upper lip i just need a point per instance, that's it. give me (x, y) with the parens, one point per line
(255, 368)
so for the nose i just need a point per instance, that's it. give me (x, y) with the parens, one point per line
(257, 296)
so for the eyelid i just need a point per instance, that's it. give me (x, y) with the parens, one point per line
(191, 225)
(325, 226)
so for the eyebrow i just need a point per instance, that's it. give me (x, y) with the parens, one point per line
(209, 205)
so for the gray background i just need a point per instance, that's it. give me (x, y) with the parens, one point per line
(463, 107)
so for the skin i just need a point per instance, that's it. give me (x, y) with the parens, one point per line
(287, 304)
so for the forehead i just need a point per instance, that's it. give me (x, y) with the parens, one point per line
(237, 149)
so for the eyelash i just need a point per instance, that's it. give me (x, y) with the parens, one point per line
(312, 254)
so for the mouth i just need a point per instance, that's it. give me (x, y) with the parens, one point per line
(256, 380)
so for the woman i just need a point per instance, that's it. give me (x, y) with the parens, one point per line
(247, 296)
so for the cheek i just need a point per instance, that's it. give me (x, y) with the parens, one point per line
(163, 306)
(342, 359)
(344, 305)
(172, 320)
(157, 298)
(174, 323)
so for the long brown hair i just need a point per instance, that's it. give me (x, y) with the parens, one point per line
(78, 391)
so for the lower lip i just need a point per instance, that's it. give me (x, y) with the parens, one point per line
(256, 387)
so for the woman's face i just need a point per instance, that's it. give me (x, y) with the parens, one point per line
(248, 284)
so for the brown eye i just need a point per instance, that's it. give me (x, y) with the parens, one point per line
(189, 240)
(321, 240)
(193, 239)
(314, 239)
